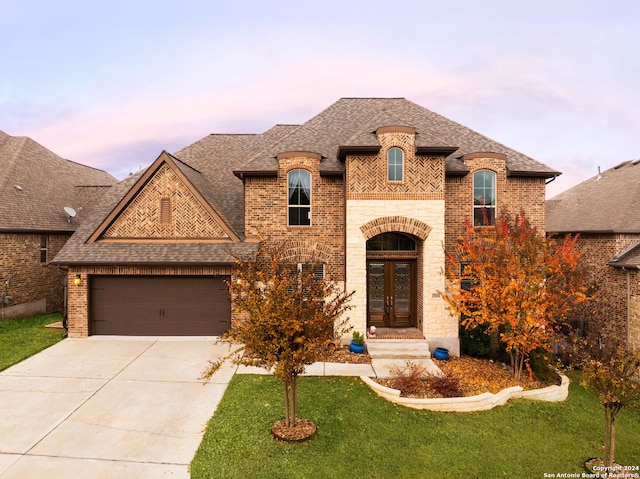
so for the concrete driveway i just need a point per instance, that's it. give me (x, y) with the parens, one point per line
(108, 407)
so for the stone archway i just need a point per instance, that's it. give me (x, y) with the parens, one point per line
(388, 224)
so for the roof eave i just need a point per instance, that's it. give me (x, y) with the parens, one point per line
(345, 150)
(534, 174)
(242, 174)
(436, 150)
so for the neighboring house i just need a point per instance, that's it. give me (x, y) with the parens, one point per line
(35, 187)
(605, 212)
(373, 189)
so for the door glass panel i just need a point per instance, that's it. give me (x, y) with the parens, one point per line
(402, 287)
(376, 287)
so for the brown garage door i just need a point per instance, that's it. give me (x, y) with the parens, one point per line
(159, 305)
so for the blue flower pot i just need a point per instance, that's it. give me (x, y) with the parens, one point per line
(356, 348)
(441, 353)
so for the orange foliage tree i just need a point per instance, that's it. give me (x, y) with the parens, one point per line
(288, 318)
(522, 285)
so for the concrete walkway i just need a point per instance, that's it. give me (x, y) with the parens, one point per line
(108, 407)
(112, 407)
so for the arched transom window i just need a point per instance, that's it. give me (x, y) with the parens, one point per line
(395, 164)
(299, 199)
(484, 198)
(391, 242)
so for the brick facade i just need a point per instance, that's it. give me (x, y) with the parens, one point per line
(266, 214)
(618, 290)
(31, 279)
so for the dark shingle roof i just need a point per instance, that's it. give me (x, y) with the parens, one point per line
(212, 163)
(79, 252)
(36, 184)
(629, 258)
(609, 204)
(351, 122)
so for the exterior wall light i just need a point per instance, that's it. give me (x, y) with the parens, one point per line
(77, 280)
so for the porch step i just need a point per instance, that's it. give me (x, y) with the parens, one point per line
(398, 349)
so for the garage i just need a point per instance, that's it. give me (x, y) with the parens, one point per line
(159, 305)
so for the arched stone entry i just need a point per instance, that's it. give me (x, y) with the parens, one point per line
(392, 280)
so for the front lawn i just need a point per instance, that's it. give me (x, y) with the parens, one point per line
(21, 338)
(362, 435)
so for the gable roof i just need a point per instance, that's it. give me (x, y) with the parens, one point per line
(350, 124)
(605, 203)
(36, 184)
(208, 165)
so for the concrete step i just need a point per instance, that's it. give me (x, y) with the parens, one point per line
(398, 349)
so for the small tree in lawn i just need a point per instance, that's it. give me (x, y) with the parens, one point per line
(613, 374)
(288, 318)
(522, 285)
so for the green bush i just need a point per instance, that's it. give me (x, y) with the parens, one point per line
(475, 342)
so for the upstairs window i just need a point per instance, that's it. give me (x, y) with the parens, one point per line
(299, 198)
(484, 198)
(395, 164)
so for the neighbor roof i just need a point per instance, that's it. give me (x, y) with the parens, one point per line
(351, 123)
(606, 203)
(36, 184)
(629, 258)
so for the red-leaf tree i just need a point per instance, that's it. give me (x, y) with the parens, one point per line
(519, 284)
(288, 318)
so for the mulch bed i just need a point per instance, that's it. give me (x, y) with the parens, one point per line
(343, 355)
(302, 432)
(475, 376)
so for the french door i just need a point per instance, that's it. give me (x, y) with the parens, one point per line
(391, 293)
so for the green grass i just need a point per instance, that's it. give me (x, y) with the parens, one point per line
(362, 435)
(21, 338)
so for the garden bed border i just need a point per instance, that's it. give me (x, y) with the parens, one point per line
(480, 402)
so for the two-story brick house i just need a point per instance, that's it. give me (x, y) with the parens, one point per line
(35, 187)
(374, 189)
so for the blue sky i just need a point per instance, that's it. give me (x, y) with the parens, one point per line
(113, 83)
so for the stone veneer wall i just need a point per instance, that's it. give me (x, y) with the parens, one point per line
(31, 280)
(78, 305)
(433, 317)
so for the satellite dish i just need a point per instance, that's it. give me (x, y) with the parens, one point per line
(70, 212)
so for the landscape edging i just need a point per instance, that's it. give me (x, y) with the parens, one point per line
(480, 402)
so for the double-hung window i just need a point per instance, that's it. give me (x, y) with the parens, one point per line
(484, 198)
(299, 199)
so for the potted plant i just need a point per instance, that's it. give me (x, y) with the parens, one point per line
(357, 343)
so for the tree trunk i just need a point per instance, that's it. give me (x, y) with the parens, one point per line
(610, 413)
(287, 406)
(294, 400)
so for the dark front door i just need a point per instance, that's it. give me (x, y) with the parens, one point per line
(391, 293)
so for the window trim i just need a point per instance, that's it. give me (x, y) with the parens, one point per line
(290, 205)
(401, 180)
(493, 207)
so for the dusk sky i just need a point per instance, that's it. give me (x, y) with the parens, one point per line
(113, 83)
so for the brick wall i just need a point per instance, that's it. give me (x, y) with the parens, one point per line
(613, 284)
(512, 195)
(78, 295)
(266, 214)
(31, 279)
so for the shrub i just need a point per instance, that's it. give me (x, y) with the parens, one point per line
(475, 341)
(446, 386)
(408, 379)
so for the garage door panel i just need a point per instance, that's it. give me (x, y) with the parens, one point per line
(159, 305)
